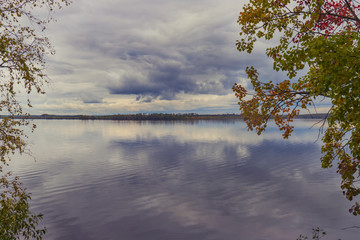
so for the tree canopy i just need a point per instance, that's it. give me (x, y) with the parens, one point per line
(23, 47)
(318, 49)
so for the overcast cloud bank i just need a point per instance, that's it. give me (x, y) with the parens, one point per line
(120, 56)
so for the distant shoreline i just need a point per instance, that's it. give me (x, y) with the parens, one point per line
(157, 117)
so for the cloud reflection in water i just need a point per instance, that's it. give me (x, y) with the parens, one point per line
(180, 180)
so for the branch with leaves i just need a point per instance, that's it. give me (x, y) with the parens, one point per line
(321, 38)
(23, 47)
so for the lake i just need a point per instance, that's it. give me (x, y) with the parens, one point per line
(204, 180)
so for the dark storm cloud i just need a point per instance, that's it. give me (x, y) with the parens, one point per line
(120, 51)
(174, 48)
(165, 79)
(165, 73)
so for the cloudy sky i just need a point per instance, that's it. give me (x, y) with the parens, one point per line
(131, 56)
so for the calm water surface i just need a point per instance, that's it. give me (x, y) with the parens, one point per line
(180, 180)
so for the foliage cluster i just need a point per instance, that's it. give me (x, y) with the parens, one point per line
(23, 47)
(321, 38)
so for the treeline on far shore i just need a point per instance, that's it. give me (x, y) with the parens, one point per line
(142, 116)
(158, 116)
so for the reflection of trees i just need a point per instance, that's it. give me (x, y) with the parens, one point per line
(22, 50)
(317, 234)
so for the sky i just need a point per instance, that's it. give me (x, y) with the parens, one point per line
(141, 56)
